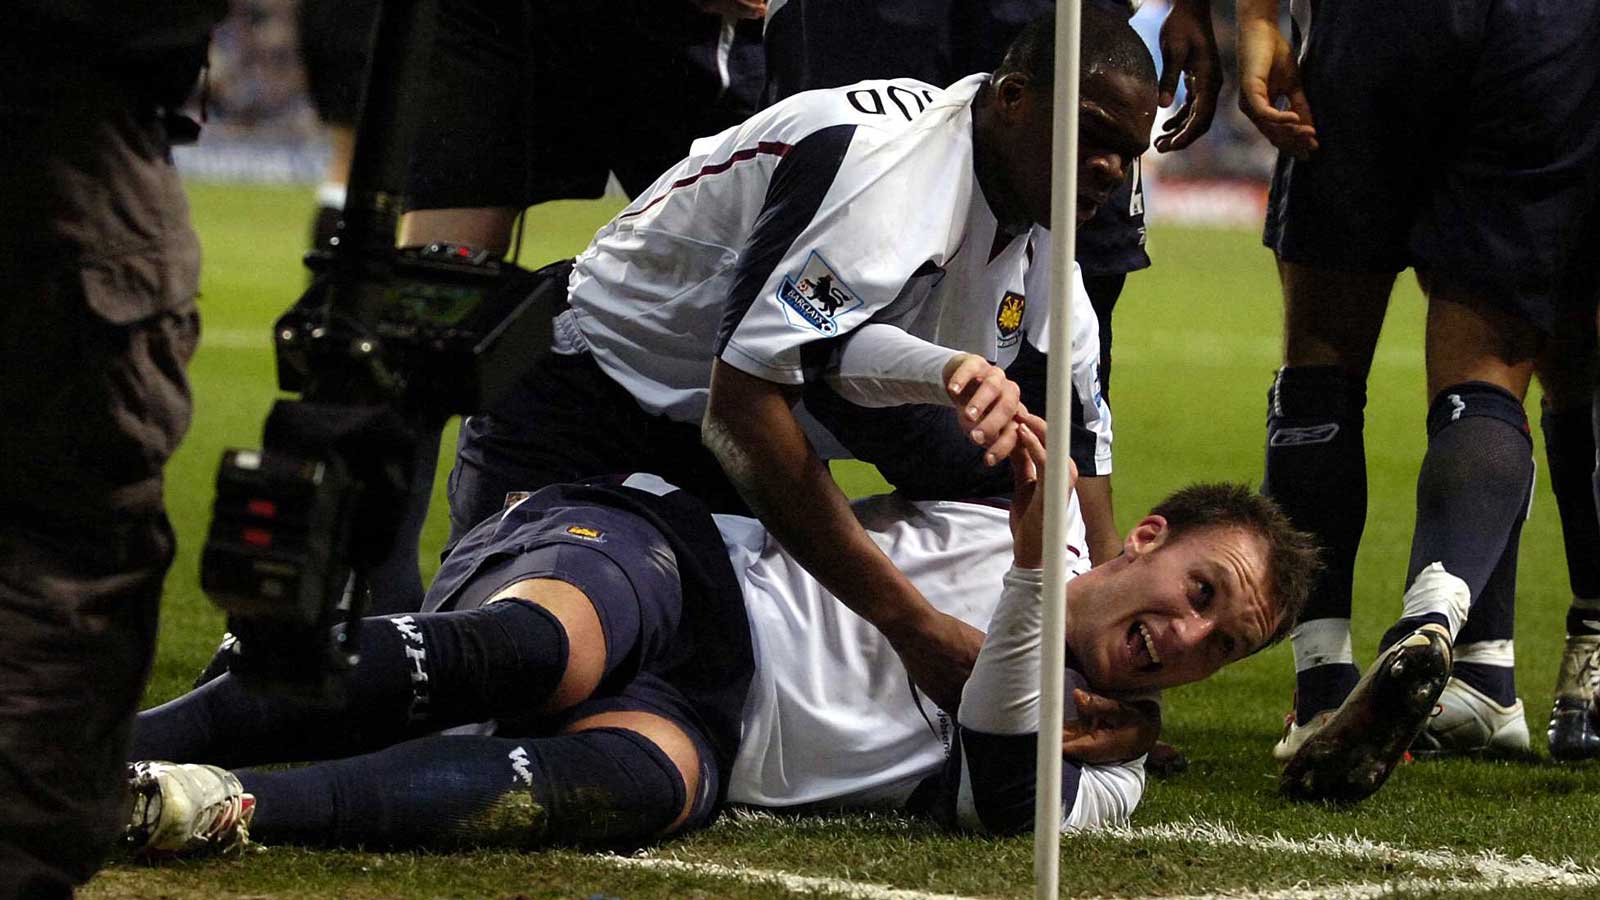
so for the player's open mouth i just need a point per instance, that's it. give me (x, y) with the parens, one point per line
(1142, 648)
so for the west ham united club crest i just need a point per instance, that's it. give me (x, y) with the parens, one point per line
(816, 298)
(1008, 320)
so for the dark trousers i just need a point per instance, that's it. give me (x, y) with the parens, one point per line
(566, 420)
(98, 273)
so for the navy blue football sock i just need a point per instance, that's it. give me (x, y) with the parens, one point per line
(418, 673)
(1472, 493)
(1569, 446)
(1497, 682)
(1484, 654)
(1316, 470)
(1321, 688)
(601, 787)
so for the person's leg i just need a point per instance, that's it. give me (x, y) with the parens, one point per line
(99, 267)
(1475, 476)
(1316, 458)
(564, 421)
(418, 673)
(1567, 372)
(1471, 492)
(619, 778)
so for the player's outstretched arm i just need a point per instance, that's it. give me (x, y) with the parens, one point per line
(1189, 50)
(754, 435)
(881, 365)
(1267, 71)
(989, 781)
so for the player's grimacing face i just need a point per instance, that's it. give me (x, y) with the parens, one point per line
(1115, 115)
(1176, 612)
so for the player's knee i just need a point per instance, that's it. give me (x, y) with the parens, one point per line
(672, 751)
(1314, 394)
(609, 786)
(586, 639)
(1478, 441)
(501, 660)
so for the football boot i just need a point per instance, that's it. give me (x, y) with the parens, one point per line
(1575, 721)
(182, 808)
(1351, 756)
(1294, 735)
(1467, 722)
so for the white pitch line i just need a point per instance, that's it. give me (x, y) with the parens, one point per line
(1350, 890)
(1493, 867)
(1494, 871)
(855, 890)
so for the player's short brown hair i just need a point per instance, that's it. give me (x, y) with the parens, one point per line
(1293, 559)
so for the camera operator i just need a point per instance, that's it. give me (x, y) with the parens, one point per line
(531, 102)
(100, 269)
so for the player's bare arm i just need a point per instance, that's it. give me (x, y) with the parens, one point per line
(1099, 517)
(1189, 50)
(734, 9)
(487, 228)
(1267, 71)
(754, 435)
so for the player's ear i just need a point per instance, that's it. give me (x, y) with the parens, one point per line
(1150, 533)
(1011, 92)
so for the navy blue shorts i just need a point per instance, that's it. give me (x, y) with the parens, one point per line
(529, 102)
(1456, 136)
(639, 556)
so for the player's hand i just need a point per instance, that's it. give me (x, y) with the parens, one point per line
(939, 654)
(1028, 491)
(988, 403)
(1267, 71)
(1189, 49)
(1109, 731)
(734, 9)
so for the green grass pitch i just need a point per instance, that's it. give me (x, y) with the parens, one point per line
(1197, 342)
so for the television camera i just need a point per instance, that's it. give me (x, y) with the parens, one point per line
(382, 349)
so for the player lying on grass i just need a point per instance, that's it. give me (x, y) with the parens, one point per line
(643, 664)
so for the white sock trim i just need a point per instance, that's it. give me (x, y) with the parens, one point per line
(1487, 653)
(1321, 642)
(1436, 591)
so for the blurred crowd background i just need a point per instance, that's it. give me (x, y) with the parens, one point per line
(261, 127)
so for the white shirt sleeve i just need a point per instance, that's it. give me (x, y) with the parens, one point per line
(882, 365)
(1002, 699)
(834, 245)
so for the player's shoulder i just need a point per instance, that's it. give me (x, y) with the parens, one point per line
(880, 104)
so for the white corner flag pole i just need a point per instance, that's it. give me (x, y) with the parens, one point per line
(1058, 411)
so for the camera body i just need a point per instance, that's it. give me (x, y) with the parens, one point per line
(431, 332)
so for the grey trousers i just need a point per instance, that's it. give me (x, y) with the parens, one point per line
(98, 273)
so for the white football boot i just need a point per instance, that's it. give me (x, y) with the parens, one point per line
(1575, 721)
(186, 808)
(1295, 735)
(1465, 721)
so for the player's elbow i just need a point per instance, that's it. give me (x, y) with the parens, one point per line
(1106, 796)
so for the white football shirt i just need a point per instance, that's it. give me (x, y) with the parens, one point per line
(832, 717)
(776, 237)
